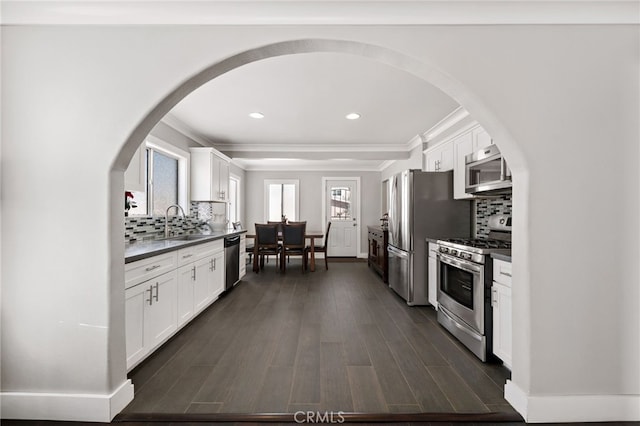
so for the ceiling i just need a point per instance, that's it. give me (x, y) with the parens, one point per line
(304, 99)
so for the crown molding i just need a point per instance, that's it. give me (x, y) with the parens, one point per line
(453, 118)
(179, 126)
(319, 12)
(304, 166)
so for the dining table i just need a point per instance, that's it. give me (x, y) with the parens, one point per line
(310, 235)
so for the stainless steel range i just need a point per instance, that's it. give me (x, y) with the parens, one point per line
(465, 273)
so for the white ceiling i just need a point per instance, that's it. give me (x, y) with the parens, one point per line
(305, 98)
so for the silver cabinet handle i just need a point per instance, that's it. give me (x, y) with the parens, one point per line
(150, 299)
(157, 286)
(151, 268)
(187, 256)
(193, 277)
(505, 274)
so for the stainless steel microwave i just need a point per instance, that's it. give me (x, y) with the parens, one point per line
(486, 172)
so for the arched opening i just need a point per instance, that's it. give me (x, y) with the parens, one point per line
(422, 70)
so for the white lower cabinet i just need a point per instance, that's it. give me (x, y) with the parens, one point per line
(157, 307)
(432, 284)
(186, 292)
(243, 257)
(502, 311)
(150, 315)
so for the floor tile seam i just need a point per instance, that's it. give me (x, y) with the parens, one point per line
(471, 391)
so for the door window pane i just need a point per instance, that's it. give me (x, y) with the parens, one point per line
(165, 182)
(340, 208)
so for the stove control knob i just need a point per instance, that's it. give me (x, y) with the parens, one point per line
(465, 256)
(444, 250)
(453, 252)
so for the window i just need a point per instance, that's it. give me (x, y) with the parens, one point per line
(340, 206)
(234, 199)
(281, 199)
(166, 177)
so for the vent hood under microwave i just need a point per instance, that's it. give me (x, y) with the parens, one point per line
(486, 172)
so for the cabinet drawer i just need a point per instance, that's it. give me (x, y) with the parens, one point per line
(145, 269)
(189, 254)
(502, 272)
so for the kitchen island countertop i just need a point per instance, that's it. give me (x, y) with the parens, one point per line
(144, 249)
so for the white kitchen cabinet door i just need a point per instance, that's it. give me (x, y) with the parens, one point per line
(136, 298)
(502, 334)
(201, 294)
(439, 158)
(223, 179)
(135, 175)
(217, 277)
(150, 315)
(463, 145)
(209, 175)
(243, 256)
(433, 281)
(186, 279)
(160, 317)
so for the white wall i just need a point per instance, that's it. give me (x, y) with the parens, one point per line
(311, 194)
(561, 101)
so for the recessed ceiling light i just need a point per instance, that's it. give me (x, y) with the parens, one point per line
(256, 115)
(352, 116)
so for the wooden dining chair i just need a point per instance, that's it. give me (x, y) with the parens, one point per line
(293, 243)
(267, 244)
(319, 249)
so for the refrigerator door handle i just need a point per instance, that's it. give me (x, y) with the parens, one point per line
(397, 252)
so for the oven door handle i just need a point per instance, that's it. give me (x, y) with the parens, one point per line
(458, 264)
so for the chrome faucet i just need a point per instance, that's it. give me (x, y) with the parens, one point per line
(166, 218)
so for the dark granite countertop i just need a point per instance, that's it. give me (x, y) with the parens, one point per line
(144, 249)
(505, 257)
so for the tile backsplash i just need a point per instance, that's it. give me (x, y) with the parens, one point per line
(486, 207)
(140, 228)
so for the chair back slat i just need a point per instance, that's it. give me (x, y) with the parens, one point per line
(326, 236)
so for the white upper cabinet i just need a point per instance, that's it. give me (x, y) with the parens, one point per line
(439, 158)
(135, 176)
(209, 175)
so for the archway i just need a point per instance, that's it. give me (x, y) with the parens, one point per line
(420, 69)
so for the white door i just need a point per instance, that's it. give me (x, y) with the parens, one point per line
(341, 201)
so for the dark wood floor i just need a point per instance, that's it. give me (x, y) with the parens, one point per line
(336, 340)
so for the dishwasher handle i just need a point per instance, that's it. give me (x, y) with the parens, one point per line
(232, 241)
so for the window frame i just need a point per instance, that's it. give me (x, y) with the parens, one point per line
(267, 182)
(151, 144)
(238, 202)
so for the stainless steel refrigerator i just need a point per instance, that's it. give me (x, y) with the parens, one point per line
(421, 205)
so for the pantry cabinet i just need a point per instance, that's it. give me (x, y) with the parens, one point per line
(502, 311)
(209, 175)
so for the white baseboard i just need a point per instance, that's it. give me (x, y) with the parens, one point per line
(363, 256)
(66, 407)
(573, 408)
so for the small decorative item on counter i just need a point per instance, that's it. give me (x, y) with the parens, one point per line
(128, 202)
(284, 219)
(385, 221)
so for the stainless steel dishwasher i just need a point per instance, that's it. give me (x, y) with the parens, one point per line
(231, 261)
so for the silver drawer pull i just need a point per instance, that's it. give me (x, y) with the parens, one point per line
(151, 268)
(187, 255)
(505, 273)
